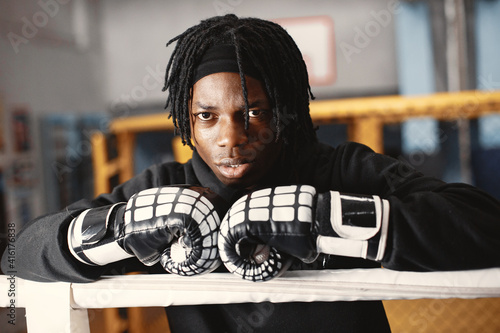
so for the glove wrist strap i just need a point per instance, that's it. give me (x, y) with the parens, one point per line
(91, 239)
(352, 225)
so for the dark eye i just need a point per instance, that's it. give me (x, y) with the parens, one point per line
(204, 115)
(255, 113)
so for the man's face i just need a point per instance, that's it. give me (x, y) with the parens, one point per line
(238, 157)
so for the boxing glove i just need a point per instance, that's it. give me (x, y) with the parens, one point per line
(297, 221)
(176, 225)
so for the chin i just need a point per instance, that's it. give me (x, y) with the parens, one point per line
(238, 183)
(235, 183)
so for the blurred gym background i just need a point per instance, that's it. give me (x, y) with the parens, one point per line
(69, 68)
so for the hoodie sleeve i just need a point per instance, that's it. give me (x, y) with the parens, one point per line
(433, 225)
(41, 247)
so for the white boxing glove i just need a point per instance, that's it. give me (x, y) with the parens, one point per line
(297, 221)
(175, 225)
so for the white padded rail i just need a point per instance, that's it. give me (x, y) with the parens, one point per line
(70, 301)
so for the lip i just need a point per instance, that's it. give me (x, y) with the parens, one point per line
(234, 168)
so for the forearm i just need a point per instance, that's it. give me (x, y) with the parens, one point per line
(453, 227)
(432, 225)
(42, 253)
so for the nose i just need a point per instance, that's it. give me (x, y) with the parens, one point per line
(232, 133)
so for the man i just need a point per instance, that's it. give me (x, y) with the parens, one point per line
(239, 96)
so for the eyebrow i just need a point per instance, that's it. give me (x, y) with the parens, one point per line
(256, 103)
(204, 106)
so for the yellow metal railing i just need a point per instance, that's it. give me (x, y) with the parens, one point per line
(365, 118)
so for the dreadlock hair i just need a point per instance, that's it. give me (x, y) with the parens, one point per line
(272, 52)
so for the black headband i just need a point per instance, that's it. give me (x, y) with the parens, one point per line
(222, 58)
